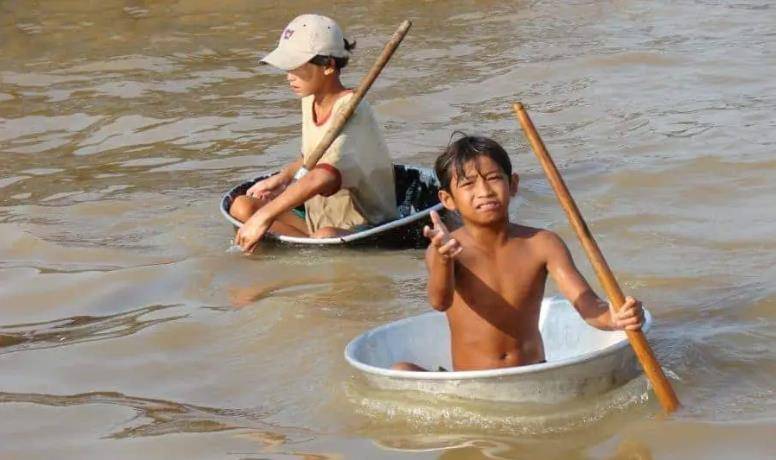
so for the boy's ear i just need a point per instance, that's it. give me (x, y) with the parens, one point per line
(330, 68)
(447, 200)
(513, 183)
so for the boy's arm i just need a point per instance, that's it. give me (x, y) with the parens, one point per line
(441, 279)
(273, 185)
(594, 310)
(440, 261)
(288, 172)
(319, 181)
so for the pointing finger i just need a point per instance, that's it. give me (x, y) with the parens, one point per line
(438, 222)
(435, 219)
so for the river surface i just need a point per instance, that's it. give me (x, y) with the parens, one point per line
(127, 329)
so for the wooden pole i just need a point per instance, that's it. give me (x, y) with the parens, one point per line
(665, 393)
(343, 114)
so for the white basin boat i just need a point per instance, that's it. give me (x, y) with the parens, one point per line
(582, 361)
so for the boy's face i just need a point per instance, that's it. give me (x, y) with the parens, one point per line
(482, 194)
(308, 78)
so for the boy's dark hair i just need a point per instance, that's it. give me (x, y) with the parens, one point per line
(339, 62)
(464, 150)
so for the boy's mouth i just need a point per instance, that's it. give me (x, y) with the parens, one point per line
(488, 206)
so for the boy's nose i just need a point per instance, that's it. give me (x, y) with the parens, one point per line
(483, 188)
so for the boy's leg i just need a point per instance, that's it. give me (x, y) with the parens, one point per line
(243, 207)
(288, 223)
(281, 227)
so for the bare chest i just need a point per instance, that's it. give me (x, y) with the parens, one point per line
(511, 275)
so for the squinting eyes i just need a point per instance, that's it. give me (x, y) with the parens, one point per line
(464, 182)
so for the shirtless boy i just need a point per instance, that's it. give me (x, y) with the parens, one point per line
(489, 275)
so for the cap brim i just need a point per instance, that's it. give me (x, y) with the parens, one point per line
(285, 59)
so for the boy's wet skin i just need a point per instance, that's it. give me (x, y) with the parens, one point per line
(489, 275)
(493, 317)
(499, 276)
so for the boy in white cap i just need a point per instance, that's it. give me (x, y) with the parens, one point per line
(352, 185)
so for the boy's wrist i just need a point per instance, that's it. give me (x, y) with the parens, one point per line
(285, 176)
(260, 216)
(605, 304)
(606, 314)
(268, 213)
(288, 172)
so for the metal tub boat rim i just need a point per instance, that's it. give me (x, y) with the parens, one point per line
(356, 346)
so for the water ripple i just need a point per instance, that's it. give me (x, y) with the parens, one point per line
(158, 417)
(79, 329)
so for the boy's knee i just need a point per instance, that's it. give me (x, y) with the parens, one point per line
(242, 208)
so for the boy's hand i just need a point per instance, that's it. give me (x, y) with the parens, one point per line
(447, 246)
(630, 317)
(267, 188)
(251, 233)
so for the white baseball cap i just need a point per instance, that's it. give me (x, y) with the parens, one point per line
(305, 37)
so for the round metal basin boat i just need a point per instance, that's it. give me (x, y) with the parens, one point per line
(582, 361)
(416, 196)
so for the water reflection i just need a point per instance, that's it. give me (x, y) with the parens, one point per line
(325, 279)
(631, 449)
(443, 414)
(157, 417)
(473, 447)
(78, 329)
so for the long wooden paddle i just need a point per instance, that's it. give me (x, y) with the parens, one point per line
(343, 114)
(665, 393)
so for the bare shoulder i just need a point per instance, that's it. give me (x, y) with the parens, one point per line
(529, 233)
(543, 240)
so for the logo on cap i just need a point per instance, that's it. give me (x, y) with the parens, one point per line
(288, 33)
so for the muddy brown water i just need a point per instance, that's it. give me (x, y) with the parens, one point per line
(128, 331)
